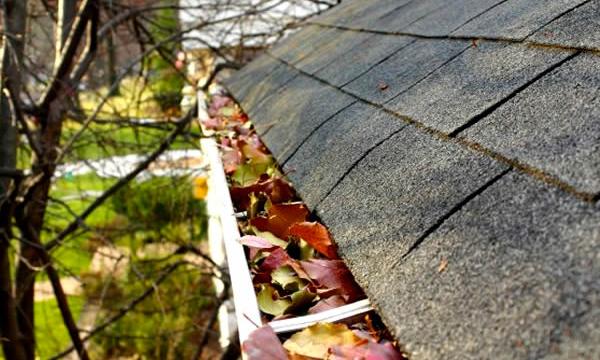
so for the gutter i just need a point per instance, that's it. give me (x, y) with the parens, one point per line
(227, 252)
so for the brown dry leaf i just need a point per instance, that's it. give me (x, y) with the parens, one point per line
(316, 340)
(277, 189)
(280, 218)
(317, 236)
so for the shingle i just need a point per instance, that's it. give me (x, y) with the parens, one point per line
(332, 50)
(449, 18)
(397, 192)
(267, 83)
(333, 149)
(516, 19)
(578, 28)
(242, 83)
(405, 68)
(287, 118)
(355, 13)
(291, 41)
(402, 16)
(362, 57)
(553, 125)
(298, 47)
(520, 279)
(471, 83)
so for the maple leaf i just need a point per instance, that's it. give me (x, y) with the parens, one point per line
(333, 275)
(315, 235)
(316, 340)
(263, 344)
(277, 189)
(280, 218)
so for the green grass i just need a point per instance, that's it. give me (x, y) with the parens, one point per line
(74, 254)
(135, 99)
(52, 336)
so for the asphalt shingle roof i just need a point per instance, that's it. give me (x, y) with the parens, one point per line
(453, 149)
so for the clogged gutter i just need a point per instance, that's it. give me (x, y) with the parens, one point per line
(293, 260)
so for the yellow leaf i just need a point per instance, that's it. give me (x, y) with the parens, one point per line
(316, 340)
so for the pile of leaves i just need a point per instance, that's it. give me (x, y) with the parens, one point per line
(293, 261)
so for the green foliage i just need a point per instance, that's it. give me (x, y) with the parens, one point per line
(165, 82)
(159, 202)
(166, 325)
(52, 334)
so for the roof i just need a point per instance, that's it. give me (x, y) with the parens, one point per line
(453, 150)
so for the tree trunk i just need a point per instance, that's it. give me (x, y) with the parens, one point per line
(32, 214)
(14, 18)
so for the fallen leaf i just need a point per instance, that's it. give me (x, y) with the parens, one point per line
(301, 300)
(277, 189)
(257, 243)
(280, 218)
(333, 275)
(287, 278)
(306, 251)
(270, 237)
(316, 340)
(263, 344)
(369, 351)
(331, 302)
(270, 302)
(249, 173)
(275, 259)
(315, 235)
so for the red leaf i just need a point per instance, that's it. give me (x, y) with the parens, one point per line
(333, 274)
(280, 218)
(277, 189)
(317, 236)
(275, 259)
(367, 351)
(278, 258)
(263, 344)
